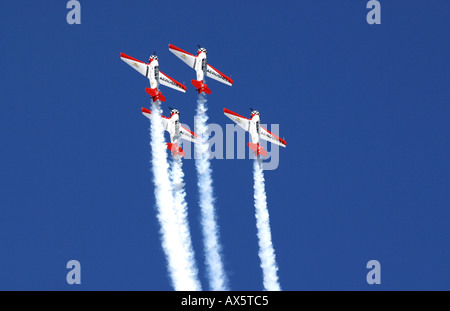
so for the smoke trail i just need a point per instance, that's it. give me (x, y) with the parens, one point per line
(182, 276)
(266, 251)
(217, 278)
(180, 205)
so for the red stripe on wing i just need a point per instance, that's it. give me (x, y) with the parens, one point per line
(226, 78)
(281, 140)
(145, 110)
(195, 135)
(131, 58)
(175, 81)
(173, 47)
(233, 113)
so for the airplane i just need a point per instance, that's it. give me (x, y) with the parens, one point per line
(176, 131)
(201, 67)
(256, 131)
(156, 77)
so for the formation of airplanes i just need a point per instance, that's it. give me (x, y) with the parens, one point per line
(172, 124)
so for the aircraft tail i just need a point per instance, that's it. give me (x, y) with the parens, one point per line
(155, 94)
(201, 87)
(176, 150)
(257, 149)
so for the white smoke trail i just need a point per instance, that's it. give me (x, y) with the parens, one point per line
(180, 205)
(266, 251)
(182, 276)
(217, 278)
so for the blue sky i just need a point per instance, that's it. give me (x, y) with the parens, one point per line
(364, 110)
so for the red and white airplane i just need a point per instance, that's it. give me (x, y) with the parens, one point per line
(156, 77)
(176, 131)
(256, 131)
(201, 67)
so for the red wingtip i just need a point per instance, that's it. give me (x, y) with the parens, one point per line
(146, 110)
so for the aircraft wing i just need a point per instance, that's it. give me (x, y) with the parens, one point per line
(168, 81)
(188, 135)
(186, 57)
(240, 120)
(215, 74)
(146, 112)
(267, 135)
(141, 67)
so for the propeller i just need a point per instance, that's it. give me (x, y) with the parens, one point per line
(154, 54)
(254, 111)
(200, 47)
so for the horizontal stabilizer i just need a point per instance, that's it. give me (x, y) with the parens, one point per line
(176, 150)
(201, 87)
(155, 94)
(257, 149)
(197, 84)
